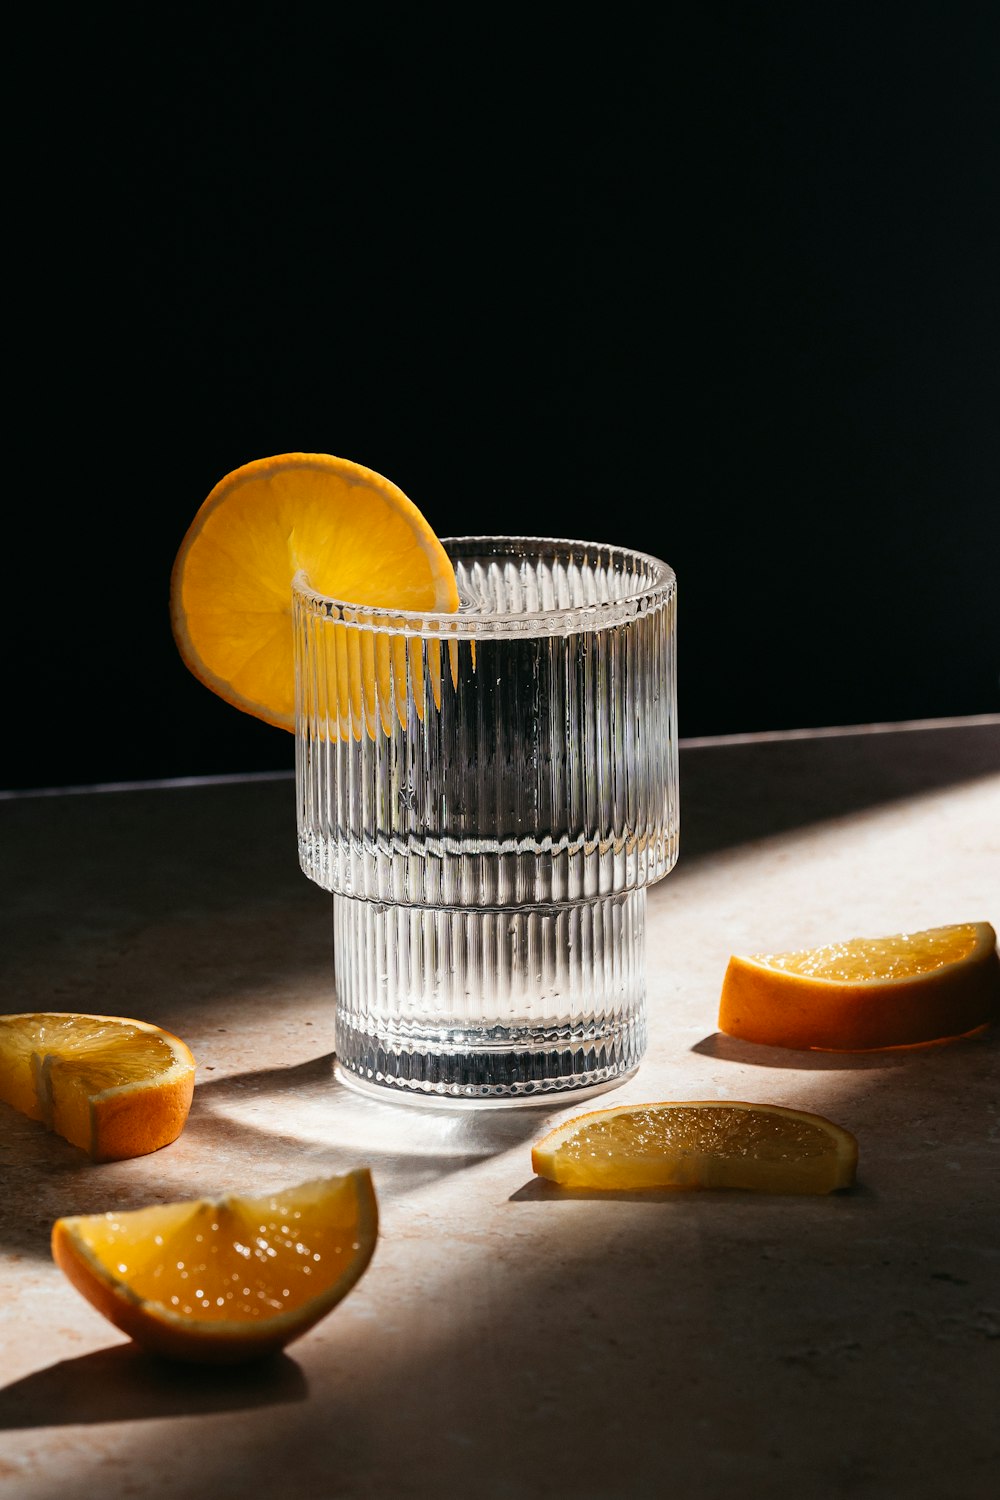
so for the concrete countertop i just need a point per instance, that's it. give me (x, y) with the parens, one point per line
(509, 1340)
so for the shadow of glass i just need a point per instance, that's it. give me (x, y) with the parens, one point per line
(320, 1128)
(471, 1134)
(123, 1384)
(406, 1145)
(732, 793)
(260, 1081)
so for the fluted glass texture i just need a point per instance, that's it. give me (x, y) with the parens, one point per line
(519, 756)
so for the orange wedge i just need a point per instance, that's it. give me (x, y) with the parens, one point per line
(699, 1143)
(867, 993)
(353, 534)
(223, 1280)
(114, 1087)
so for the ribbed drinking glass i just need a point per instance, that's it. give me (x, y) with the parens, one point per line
(488, 794)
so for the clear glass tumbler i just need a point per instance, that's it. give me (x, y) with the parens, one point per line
(488, 794)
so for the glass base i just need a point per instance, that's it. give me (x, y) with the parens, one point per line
(387, 1090)
(489, 1006)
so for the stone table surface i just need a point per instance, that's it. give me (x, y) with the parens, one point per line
(509, 1340)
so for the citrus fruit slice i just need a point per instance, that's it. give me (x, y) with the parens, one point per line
(354, 536)
(867, 993)
(114, 1087)
(699, 1144)
(227, 1279)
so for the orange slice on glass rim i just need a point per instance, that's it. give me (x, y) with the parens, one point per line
(355, 537)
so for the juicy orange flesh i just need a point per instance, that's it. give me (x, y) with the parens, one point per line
(73, 1058)
(354, 537)
(902, 956)
(235, 1260)
(680, 1132)
(271, 527)
(693, 1144)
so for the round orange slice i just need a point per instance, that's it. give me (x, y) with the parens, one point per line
(114, 1087)
(699, 1144)
(354, 535)
(223, 1280)
(866, 993)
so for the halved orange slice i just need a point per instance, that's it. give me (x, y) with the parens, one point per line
(112, 1086)
(698, 1143)
(866, 993)
(353, 534)
(227, 1279)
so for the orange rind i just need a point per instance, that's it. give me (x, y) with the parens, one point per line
(342, 529)
(221, 1281)
(114, 1087)
(868, 993)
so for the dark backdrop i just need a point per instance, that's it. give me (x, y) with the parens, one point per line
(719, 281)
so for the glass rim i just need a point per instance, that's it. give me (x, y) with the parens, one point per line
(653, 592)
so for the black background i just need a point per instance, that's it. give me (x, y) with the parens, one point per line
(718, 281)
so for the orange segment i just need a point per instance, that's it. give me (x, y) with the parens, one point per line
(355, 536)
(699, 1144)
(114, 1087)
(866, 993)
(228, 1279)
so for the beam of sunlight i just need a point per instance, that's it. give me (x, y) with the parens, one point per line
(500, 1320)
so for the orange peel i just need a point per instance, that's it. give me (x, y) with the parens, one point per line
(112, 1086)
(868, 993)
(220, 1281)
(352, 534)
